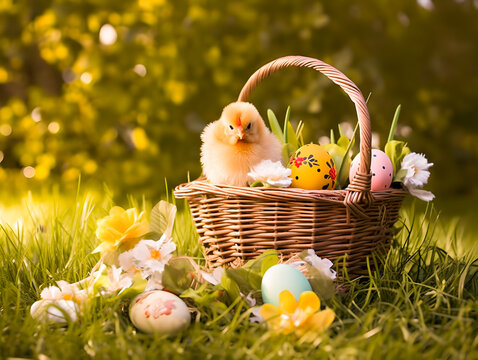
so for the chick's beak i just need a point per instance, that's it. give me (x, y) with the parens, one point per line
(240, 133)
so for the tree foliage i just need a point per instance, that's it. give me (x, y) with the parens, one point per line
(128, 110)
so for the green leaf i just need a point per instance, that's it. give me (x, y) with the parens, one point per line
(343, 142)
(391, 134)
(162, 218)
(298, 132)
(400, 175)
(285, 154)
(230, 287)
(332, 136)
(202, 296)
(341, 133)
(247, 280)
(291, 138)
(322, 285)
(268, 262)
(178, 275)
(256, 264)
(396, 151)
(286, 128)
(275, 127)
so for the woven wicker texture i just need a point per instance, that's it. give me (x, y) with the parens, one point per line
(236, 224)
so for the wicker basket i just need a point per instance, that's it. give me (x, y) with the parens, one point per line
(236, 224)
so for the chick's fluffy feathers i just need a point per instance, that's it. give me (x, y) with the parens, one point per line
(235, 143)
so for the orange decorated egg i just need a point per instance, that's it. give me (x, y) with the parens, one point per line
(312, 168)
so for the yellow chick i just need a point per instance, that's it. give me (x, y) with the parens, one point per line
(235, 143)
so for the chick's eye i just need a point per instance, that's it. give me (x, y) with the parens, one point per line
(249, 126)
(231, 127)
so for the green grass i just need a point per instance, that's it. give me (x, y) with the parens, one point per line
(423, 304)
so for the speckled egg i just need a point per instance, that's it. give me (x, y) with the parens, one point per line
(283, 277)
(160, 312)
(312, 168)
(381, 168)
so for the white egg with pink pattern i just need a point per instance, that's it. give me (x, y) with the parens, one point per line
(158, 311)
(381, 168)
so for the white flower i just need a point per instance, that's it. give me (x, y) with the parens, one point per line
(155, 282)
(58, 311)
(271, 173)
(416, 166)
(417, 170)
(214, 277)
(117, 280)
(126, 262)
(64, 291)
(323, 265)
(256, 316)
(151, 256)
(250, 300)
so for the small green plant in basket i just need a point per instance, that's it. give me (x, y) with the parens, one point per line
(291, 139)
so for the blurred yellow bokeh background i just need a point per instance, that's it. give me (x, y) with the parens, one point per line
(117, 92)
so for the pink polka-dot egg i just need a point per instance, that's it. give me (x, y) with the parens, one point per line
(381, 168)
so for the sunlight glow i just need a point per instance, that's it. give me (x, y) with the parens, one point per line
(53, 127)
(36, 115)
(108, 35)
(86, 78)
(29, 172)
(140, 69)
(5, 130)
(426, 4)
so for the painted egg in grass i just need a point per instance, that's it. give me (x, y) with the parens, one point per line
(312, 168)
(381, 168)
(158, 311)
(283, 277)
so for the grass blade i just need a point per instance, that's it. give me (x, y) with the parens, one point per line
(394, 123)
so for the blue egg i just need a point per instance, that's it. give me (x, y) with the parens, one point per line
(283, 277)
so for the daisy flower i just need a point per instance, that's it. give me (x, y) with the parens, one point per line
(118, 281)
(151, 256)
(417, 174)
(271, 174)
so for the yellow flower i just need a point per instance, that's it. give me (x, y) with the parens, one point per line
(300, 318)
(121, 228)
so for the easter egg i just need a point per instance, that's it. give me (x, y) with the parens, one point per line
(381, 168)
(283, 277)
(158, 311)
(312, 168)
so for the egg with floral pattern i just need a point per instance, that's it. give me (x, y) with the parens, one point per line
(158, 311)
(312, 168)
(381, 168)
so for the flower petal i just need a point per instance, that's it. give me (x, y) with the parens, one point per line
(322, 320)
(269, 311)
(287, 302)
(421, 194)
(116, 210)
(309, 300)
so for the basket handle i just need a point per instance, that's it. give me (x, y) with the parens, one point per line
(359, 188)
